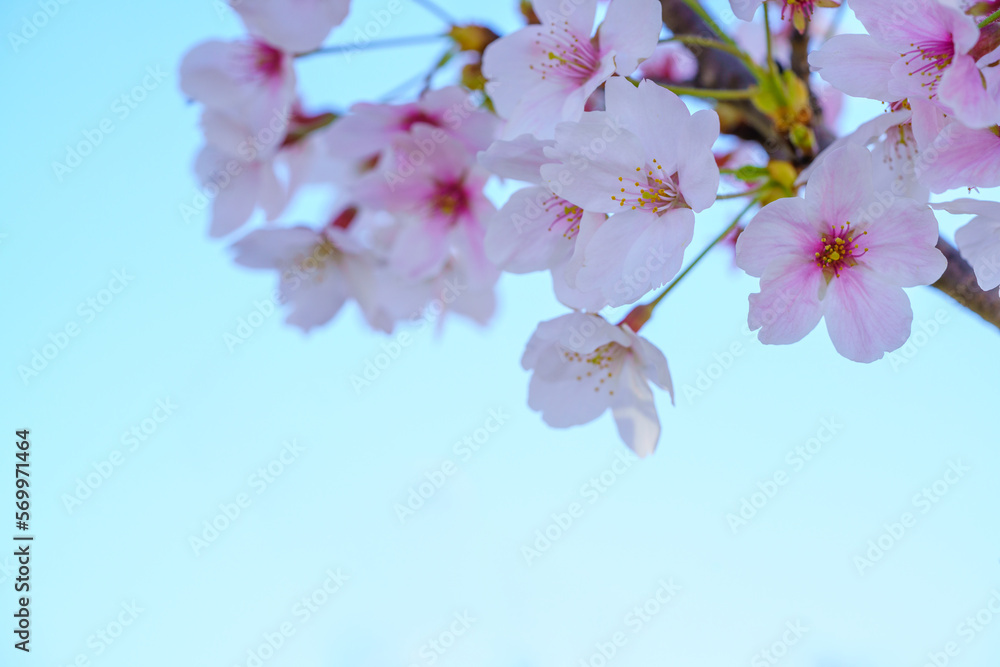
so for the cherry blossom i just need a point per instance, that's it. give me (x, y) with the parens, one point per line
(248, 80)
(918, 50)
(652, 168)
(843, 254)
(582, 365)
(543, 74)
(979, 239)
(436, 193)
(537, 230)
(319, 270)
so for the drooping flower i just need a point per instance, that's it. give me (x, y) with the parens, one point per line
(543, 74)
(582, 365)
(842, 254)
(979, 239)
(647, 161)
(296, 26)
(319, 270)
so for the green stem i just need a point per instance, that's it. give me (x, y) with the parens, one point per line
(652, 304)
(693, 40)
(696, 7)
(739, 195)
(767, 30)
(990, 19)
(378, 43)
(712, 93)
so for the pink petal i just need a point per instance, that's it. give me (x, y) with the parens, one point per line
(697, 170)
(530, 232)
(856, 64)
(839, 187)
(901, 245)
(296, 26)
(635, 412)
(788, 306)
(631, 28)
(865, 316)
(779, 232)
(963, 90)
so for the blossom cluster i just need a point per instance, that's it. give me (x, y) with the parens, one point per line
(585, 105)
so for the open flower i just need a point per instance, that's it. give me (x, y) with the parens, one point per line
(649, 163)
(584, 365)
(843, 253)
(916, 49)
(543, 74)
(319, 270)
(249, 80)
(797, 11)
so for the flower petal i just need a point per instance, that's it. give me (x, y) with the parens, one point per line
(865, 316)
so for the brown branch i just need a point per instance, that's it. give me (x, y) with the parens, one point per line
(720, 70)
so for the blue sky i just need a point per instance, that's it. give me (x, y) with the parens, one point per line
(456, 571)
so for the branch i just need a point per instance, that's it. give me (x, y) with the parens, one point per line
(720, 70)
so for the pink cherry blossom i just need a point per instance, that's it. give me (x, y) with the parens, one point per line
(537, 230)
(436, 193)
(582, 365)
(843, 253)
(371, 129)
(248, 80)
(543, 74)
(918, 50)
(296, 26)
(979, 240)
(319, 270)
(647, 161)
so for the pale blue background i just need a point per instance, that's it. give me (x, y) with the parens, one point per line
(333, 507)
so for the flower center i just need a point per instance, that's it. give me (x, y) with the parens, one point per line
(450, 199)
(567, 216)
(929, 59)
(837, 250)
(566, 56)
(601, 364)
(649, 189)
(415, 117)
(265, 60)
